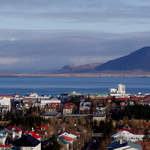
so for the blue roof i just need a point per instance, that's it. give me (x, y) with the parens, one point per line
(116, 144)
(63, 140)
(115, 134)
(26, 140)
(4, 131)
(137, 146)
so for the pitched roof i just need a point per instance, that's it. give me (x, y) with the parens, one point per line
(34, 134)
(13, 128)
(26, 141)
(116, 144)
(41, 128)
(124, 145)
(4, 131)
(9, 96)
(69, 104)
(67, 107)
(5, 146)
(128, 130)
(66, 138)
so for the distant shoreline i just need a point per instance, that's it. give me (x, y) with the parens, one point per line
(76, 75)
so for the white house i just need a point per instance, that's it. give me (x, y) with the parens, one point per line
(2, 140)
(127, 136)
(15, 132)
(6, 102)
(123, 145)
(119, 92)
(50, 101)
(67, 139)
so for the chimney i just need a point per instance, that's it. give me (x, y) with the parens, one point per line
(121, 141)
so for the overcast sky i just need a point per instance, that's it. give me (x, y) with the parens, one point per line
(44, 35)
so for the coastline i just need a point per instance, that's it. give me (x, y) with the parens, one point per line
(75, 75)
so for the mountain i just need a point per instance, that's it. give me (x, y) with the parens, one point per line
(138, 61)
(79, 69)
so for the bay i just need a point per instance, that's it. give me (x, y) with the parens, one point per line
(57, 85)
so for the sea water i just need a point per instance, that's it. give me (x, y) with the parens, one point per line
(57, 85)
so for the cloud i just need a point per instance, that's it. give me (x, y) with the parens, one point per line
(8, 60)
(87, 60)
(38, 35)
(11, 39)
(110, 16)
(11, 61)
(44, 51)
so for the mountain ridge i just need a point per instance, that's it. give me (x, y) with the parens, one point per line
(138, 61)
(79, 68)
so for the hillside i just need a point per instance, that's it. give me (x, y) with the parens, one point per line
(79, 69)
(138, 60)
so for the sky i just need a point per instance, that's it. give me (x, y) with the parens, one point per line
(43, 36)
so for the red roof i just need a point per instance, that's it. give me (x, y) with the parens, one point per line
(10, 96)
(136, 98)
(67, 107)
(34, 134)
(54, 103)
(41, 128)
(66, 138)
(29, 98)
(14, 128)
(131, 131)
(69, 104)
(5, 146)
(123, 99)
